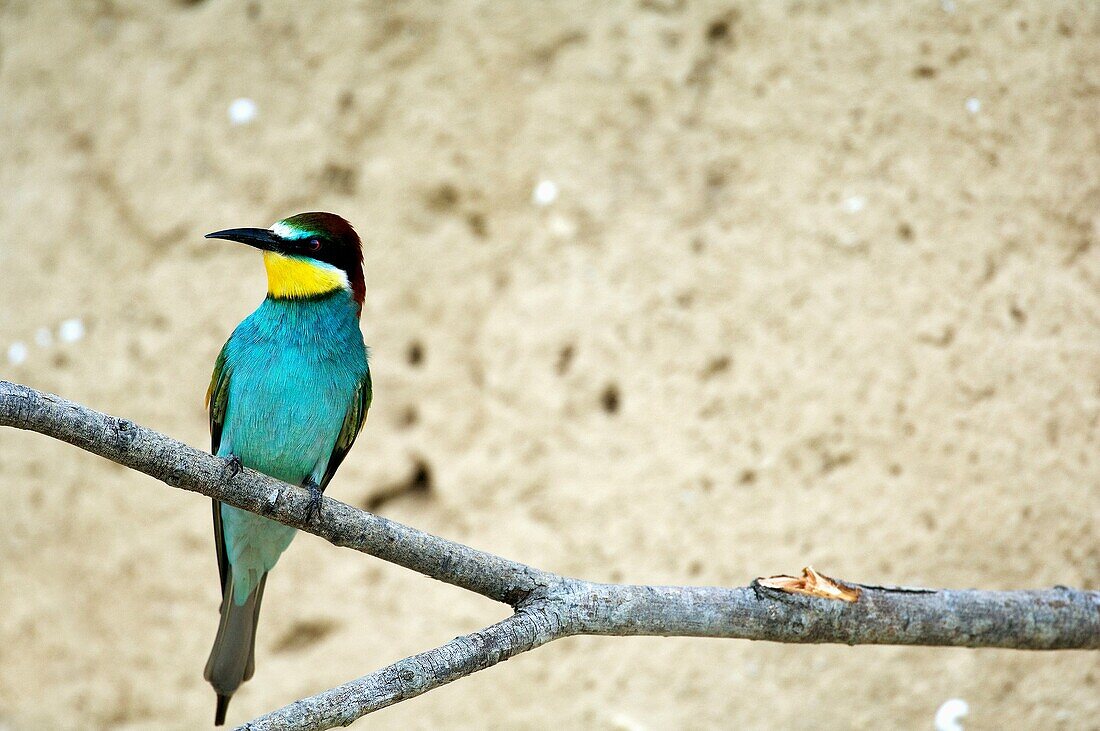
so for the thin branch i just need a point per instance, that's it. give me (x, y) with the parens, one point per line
(413, 676)
(179, 465)
(548, 606)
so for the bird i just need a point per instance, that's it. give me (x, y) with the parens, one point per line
(289, 395)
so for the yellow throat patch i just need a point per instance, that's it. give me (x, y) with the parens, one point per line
(289, 277)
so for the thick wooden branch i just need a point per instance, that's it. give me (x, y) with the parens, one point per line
(548, 606)
(1035, 620)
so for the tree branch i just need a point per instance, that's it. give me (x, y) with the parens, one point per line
(548, 606)
(408, 678)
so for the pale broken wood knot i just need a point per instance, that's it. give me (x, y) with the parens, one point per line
(814, 584)
(272, 501)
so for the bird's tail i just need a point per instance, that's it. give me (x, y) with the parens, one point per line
(233, 657)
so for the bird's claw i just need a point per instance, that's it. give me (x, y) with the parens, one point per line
(233, 466)
(314, 505)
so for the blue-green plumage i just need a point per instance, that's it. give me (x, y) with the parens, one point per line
(290, 391)
(295, 367)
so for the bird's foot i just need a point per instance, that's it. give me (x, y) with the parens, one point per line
(233, 466)
(314, 501)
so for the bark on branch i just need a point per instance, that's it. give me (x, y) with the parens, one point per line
(549, 606)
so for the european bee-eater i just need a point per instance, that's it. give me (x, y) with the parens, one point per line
(289, 394)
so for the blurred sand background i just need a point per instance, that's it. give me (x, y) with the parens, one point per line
(820, 284)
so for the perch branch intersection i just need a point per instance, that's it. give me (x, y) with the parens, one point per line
(812, 608)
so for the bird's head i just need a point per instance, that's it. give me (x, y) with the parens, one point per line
(307, 255)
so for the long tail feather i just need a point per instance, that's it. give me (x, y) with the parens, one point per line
(233, 657)
(219, 712)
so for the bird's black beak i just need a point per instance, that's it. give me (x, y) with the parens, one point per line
(260, 238)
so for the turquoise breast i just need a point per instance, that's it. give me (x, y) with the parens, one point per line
(294, 365)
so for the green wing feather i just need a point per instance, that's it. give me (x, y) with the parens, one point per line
(353, 422)
(217, 401)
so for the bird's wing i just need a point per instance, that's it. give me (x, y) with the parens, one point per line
(217, 401)
(353, 422)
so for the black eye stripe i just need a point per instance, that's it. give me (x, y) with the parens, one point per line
(324, 248)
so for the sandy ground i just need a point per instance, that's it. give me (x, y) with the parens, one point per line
(820, 284)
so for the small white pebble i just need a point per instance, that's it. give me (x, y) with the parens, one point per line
(973, 105)
(242, 111)
(949, 715)
(17, 353)
(71, 331)
(43, 337)
(855, 203)
(546, 192)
